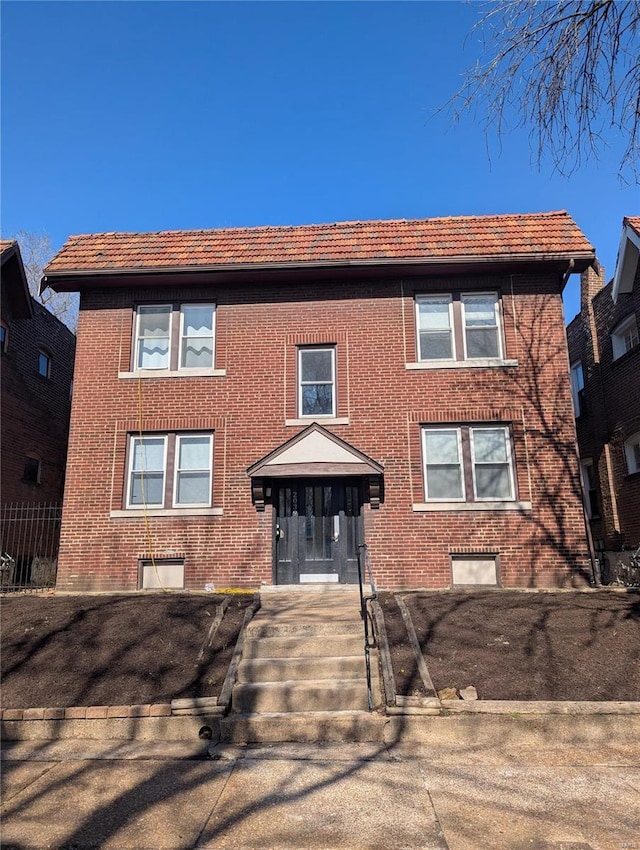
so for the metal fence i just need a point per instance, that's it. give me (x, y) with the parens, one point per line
(29, 541)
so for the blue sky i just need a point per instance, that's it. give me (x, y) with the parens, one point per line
(161, 115)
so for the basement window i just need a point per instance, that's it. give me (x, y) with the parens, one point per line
(159, 573)
(474, 570)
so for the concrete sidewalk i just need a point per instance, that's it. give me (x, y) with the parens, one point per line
(137, 794)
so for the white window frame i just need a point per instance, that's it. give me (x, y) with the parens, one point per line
(176, 471)
(212, 306)
(630, 452)
(509, 463)
(422, 298)
(497, 312)
(625, 332)
(577, 386)
(137, 340)
(301, 350)
(176, 325)
(136, 438)
(458, 329)
(428, 430)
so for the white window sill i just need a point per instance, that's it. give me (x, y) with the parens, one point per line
(321, 420)
(487, 363)
(471, 506)
(174, 373)
(137, 513)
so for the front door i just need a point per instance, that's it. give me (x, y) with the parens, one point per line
(318, 526)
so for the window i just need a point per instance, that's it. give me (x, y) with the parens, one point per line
(577, 388)
(468, 463)
(32, 466)
(172, 337)
(590, 488)
(316, 382)
(632, 453)
(44, 364)
(170, 470)
(625, 336)
(161, 573)
(4, 337)
(474, 569)
(463, 326)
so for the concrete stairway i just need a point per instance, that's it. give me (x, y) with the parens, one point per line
(302, 675)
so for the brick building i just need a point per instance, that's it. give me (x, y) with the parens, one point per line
(37, 371)
(251, 405)
(604, 350)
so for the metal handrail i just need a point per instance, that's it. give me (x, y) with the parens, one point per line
(364, 562)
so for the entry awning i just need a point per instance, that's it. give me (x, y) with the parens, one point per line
(315, 452)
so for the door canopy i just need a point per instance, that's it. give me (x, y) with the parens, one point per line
(315, 453)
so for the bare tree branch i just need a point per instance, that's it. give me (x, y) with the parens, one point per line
(36, 251)
(569, 70)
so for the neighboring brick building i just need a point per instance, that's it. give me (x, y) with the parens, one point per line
(37, 370)
(604, 348)
(252, 404)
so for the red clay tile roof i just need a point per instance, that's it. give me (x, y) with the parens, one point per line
(6, 243)
(348, 243)
(633, 221)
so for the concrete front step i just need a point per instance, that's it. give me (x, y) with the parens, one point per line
(315, 695)
(308, 727)
(259, 628)
(287, 669)
(303, 647)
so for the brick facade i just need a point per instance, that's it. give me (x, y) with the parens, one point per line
(35, 409)
(611, 412)
(383, 399)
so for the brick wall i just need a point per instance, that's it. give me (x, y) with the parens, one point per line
(381, 403)
(35, 409)
(612, 393)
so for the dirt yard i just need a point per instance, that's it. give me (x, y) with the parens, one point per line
(521, 645)
(114, 650)
(139, 648)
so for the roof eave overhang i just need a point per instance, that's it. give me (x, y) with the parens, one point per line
(71, 280)
(18, 287)
(627, 263)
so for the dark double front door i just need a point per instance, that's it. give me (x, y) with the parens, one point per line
(318, 526)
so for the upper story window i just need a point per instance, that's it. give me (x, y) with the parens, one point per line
(174, 337)
(632, 453)
(4, 337)
(625, 336)
(44, 364)
(577, 387)
(464, 326)
(170, 470)
(316, 382)
(468, 463)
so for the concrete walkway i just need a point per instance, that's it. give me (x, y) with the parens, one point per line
(136, 794)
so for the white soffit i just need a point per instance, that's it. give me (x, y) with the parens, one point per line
(627, 264)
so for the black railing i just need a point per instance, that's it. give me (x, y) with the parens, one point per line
(364, 565)
(29, 540)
